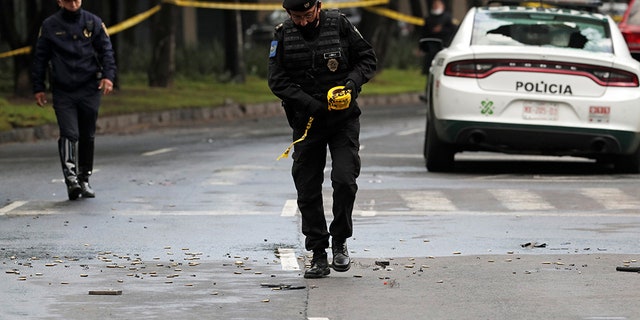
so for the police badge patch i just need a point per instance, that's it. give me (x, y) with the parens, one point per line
(87, 33)
(332, 64)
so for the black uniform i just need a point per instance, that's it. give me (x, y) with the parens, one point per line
(76, 49)
(438, 26)
(303, 66)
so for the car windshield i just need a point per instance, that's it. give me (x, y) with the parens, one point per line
(542, 27)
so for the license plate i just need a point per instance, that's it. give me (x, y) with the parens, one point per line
(535, 110)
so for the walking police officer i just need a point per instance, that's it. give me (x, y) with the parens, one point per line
(312, 52)
(74, 45)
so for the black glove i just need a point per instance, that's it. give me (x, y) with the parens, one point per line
(350, 85)
(316, 108)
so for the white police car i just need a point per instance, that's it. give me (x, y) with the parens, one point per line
(545, 81)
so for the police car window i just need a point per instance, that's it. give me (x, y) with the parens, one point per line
(544, 29)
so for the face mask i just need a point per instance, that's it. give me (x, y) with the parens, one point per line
(309, 29)
(437, 12)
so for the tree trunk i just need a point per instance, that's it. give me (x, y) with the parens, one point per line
(234, 55)
(30, 15)
(378, 30)
(163, 60)
(114, 9)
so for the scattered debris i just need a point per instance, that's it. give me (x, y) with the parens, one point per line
(533, 245)
(628, 269)
(382, 263)
(105, 292)
(282, 286)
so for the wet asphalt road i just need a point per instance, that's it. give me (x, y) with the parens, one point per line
(199, 223)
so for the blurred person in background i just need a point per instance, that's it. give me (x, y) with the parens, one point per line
(438, 24)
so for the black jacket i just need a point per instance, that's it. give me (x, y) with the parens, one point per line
(78, 49)
(298, 95)
(443, 22)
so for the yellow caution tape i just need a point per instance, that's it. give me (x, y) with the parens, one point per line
(285, 154)
(268, 6)
(214, 5)
(111, 30)
(354, 4)
(24, 50)
(397, 15)
(133, 20)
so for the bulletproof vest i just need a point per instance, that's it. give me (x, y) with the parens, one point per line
(320, 64)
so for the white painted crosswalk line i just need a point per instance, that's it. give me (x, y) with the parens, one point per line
(8, 208)
(290, 208)
(612, 198)
(288, 259)
(497, 201)
(425, 200)
(520, 200)
(157, 152)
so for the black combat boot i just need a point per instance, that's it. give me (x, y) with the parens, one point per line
(85, 167)
(319, 266)
(341, 260)
(67, 151)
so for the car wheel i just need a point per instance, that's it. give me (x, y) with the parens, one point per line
(628, 163)
(439, 156)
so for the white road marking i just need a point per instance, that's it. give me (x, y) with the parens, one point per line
(520, 200)
(612, 198)
(425, 200)
(394, 156)
(290, 208)
(529, 213)
(409, 132)
(8, 208)
(157, 152)
(288, 259)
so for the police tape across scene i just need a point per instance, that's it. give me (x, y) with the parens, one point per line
(131, 22)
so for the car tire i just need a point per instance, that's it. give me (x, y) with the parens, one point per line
(628, 163)
(438, 155)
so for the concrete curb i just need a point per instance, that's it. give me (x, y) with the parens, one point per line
(139, 122)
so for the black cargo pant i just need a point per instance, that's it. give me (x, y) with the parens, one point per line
(77, 112)
(309, 160)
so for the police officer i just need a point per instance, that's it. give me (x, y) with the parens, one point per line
(74, 45)
(313, 51)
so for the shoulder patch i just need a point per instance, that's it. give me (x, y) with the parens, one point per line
(273, 48)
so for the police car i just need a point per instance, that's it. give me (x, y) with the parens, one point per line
(542, 81)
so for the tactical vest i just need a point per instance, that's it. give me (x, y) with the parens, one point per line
(316, 65)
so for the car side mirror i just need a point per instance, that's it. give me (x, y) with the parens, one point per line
(431, 44)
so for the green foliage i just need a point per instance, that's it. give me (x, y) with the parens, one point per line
(134, 59)
(206, 60)
(402, 53)
(134, 95)
(200, 82)
(6, 74)
(23, 115)
(256, 60)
